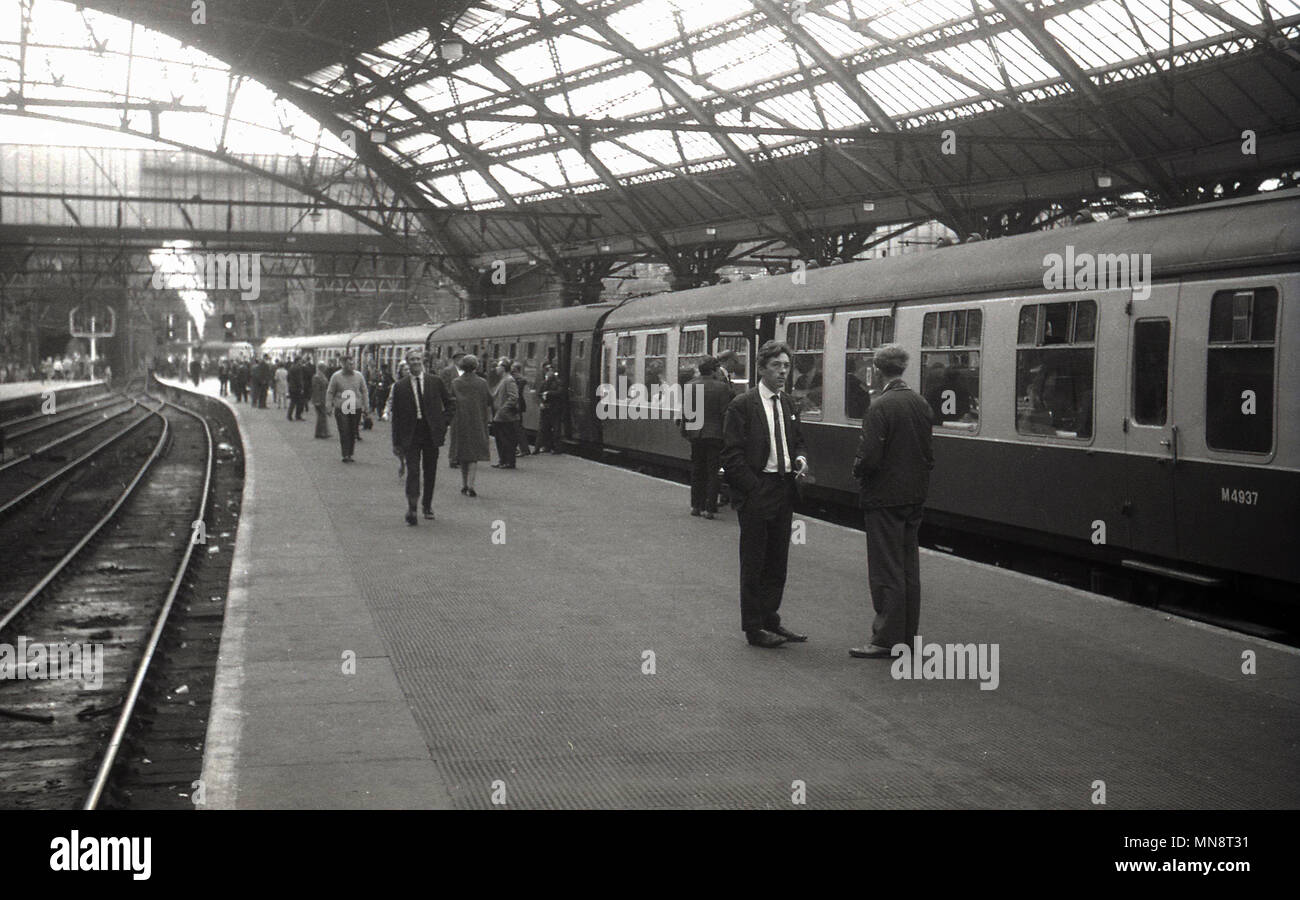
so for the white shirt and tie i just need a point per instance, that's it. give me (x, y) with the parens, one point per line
(778, 455)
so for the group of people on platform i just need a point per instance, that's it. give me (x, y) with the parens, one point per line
(69, 367)
(755, 439)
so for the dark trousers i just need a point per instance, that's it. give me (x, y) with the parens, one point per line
(415, 454)
(347, 423)
(548, 433)
(765, 519)
(260, 391)
(894, 572)
(507, 440)
(224, 382)
(705, 456)
(322, 423)
(522, 433)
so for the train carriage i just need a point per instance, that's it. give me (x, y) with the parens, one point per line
(1142, 423)
(385, 348)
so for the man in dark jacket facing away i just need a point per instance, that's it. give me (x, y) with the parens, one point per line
(710, 400)
(763, 452)
(422, 409)
(893, 465)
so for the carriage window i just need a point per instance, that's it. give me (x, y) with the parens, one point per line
(1239, 371)
(950, 366)
(738, 362)
(1151, 371)
(690, 350)
(865, 336)
(656, 359)
(625, 360)
(1054, 372)
(807, 343)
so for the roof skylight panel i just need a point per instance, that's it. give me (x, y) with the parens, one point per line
(841, 112)
(1093, 39)
(974, 60)
(477, 188)
(576, 53)
(530, 63)
(631, 93)
(1024, 64)
(647, 24)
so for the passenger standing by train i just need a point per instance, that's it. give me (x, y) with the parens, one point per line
(705, 434)
(893, 465)
(223, 376)
(348, 399)
(449, 374)
(240, 379)
(319, 391)
(422, 408)
(296, 393)
(763, 452)
(505, 406)
(517, 373)
(470, 426)
(548, 434)
(281, 384)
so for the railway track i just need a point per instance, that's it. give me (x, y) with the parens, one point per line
(94, 591)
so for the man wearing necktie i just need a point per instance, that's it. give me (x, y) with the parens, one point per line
(763, 455)
(422, 409)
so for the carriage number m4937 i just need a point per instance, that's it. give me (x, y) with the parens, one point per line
(1233, 495)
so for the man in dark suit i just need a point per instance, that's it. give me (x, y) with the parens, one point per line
(893, 465)
(711, 398)
(422, 409)
(763, 454)
(552, 395)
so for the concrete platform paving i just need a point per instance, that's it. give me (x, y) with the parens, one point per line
(516, 671)
(12, 390)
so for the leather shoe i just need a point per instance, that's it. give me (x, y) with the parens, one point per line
(792, 636)
(694, 511)
(428, 514)
(410, 517)
(871, 651)
(764, 639)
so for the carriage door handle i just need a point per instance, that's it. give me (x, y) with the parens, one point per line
(1172, 442)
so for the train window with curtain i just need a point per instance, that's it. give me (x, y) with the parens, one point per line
(1239, 371)
(866, 334)
(1151, 371)
(807, 342)
(690, 350)
(1055, 369)
(950, 366)
(656, 358)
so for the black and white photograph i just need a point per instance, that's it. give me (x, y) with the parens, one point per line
(886, 409)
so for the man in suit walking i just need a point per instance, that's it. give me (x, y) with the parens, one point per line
(763, 454)
(893, 465)
(422, 409)
(705, 434)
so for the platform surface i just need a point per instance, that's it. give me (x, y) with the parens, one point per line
(517, 671)
(12, 390)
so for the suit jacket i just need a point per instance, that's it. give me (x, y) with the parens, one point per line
(437, 409)
(745, 446)
(894, 454)
(319, 386)
(712, 408)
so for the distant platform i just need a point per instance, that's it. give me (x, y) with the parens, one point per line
(13, 390)
(572, 638)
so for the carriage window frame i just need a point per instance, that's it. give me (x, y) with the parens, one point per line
(685, 356)
(744, 350)
(660, 341)
(948, 333)
(1055, 329)
(622, 343)
(806, 338)
(1246, 336)
(859, 351)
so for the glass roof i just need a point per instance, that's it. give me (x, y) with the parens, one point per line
(920, 61)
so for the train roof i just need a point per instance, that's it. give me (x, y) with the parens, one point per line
(314, 341)
(542, 321)
(1247, 231)
(403, 334)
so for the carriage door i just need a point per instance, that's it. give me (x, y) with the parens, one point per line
(1152, 439)
(744, 335)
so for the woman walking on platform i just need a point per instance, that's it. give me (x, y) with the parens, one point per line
(505, 403)
(470, 424)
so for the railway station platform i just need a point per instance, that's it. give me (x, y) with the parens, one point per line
(571, 638)
(15, 390)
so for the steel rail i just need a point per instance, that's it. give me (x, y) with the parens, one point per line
(155, 637)
(67, 437)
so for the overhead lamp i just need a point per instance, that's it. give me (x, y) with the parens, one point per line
(451, 50)
(605, 248)
(710, 231)
(868, 205)
(1104, 180)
